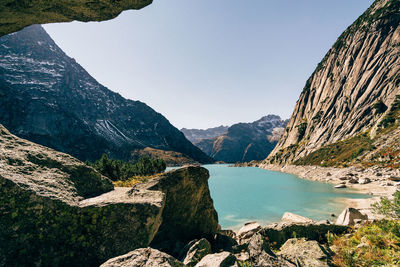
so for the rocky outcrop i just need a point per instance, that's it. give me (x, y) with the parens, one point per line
(352, 91)
(48, 98)
(55, 210)
(244, 142)
(16, 14)
(189, 211)
(143, 257)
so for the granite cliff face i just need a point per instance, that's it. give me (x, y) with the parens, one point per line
(245, 142)
(17, 14)
(48, 98)
(57, 211)
(351, 94)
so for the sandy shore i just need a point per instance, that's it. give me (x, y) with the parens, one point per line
(373, 181)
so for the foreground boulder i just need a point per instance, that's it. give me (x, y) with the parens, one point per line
(349, 216)
(55, 210)
(304, 253)
(189, 211)
(223, 259)
(143, 257)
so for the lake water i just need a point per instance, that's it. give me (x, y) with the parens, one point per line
(254, 194)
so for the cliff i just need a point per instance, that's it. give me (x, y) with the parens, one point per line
(348, 105)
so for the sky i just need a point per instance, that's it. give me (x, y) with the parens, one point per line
(208, 63)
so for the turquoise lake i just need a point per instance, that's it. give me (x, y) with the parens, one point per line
(253, 194)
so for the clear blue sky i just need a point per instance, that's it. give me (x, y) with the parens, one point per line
(210, 62)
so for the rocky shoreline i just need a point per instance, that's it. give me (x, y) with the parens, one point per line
(377, 182)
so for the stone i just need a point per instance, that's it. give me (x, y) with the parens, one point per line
(277, 234)
(143, 257)
(294, 218)
(224, 242)
(349, 215)
(328, 174)
(353, 181)
(344, 178)
(304, 253)
(223, 259)
(340, 186)
(248, 230)
(364, 181)
(197, 251)
(394, 178)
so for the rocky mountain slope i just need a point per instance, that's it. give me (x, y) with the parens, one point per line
(245, 142)
(57, 211)
(17, 14)
(349, 106)
(195, 135)
(48, 98)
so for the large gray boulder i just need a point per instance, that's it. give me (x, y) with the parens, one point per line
(55, 210)
(304, 253)
(223, 259)
(349, 215)
(295, 218)
(143, 257)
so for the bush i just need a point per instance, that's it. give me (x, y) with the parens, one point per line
(119, 170)
(389, 208)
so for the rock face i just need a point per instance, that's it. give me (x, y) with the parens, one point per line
(143, 257)
(55, 210)
(245, 142)
(352, 91)
(15, 15)
(48, 98)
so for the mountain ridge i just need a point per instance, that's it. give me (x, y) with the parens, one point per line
(48, 98)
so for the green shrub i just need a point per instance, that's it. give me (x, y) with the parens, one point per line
(389, 208)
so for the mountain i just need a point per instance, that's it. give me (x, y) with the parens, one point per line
(48, 98)
(195, 135)
(245, 142)
(348, 111)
